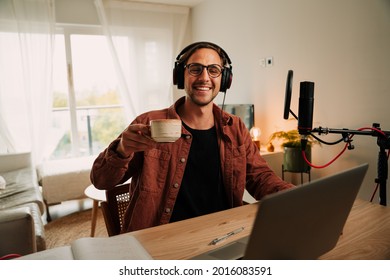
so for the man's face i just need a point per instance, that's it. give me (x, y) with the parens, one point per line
(202, 89)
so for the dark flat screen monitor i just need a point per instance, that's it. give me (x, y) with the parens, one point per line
(245, 111)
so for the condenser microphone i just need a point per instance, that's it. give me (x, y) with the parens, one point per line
(305, 110)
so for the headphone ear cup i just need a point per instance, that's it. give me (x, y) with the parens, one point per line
(174, 75)
(226, 79)
(178, 75)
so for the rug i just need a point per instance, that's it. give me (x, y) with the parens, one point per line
(63, 231)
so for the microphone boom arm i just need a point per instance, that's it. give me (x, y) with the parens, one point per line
(324, 130)
(383, 141)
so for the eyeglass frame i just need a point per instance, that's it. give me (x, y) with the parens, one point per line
(203, 67)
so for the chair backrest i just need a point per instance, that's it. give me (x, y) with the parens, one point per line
(114, 208)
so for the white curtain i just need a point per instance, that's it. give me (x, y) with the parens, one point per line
(26, 45)
(144, 40)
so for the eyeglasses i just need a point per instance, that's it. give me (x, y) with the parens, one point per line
(196, 69)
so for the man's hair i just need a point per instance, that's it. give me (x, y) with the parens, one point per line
(204, 45)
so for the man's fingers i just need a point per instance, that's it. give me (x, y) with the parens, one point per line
(139, 128)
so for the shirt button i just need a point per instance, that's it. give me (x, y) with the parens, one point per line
(182, 160)
(167, 210)
(175, 185)
(188, 136)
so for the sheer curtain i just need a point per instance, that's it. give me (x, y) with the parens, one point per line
(144, 39)
(26, 44)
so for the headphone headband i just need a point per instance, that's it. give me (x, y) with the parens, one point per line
(198, 45)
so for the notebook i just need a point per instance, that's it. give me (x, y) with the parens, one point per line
(300, 223)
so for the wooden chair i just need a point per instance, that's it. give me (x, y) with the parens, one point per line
(117, 200)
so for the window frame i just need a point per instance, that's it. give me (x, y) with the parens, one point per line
(67, 30)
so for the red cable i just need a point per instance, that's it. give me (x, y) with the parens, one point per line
(10, 256)
(345, 147)
(325, 165)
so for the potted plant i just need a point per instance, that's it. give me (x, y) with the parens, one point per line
(290, 141)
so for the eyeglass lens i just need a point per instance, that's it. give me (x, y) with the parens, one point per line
(195, 69)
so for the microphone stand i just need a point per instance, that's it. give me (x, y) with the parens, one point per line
(382, 142)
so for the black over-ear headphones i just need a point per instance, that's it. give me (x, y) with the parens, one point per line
(181, 59)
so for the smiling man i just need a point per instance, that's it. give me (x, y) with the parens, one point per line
(204, 171)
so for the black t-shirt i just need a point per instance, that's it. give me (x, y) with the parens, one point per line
(202, 191)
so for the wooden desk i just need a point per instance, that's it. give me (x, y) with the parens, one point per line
(366, 234)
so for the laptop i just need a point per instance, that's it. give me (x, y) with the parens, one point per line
(300, 223)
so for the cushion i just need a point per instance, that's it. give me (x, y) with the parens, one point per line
(2, 183)
(22, 187)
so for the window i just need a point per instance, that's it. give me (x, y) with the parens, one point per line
(87, 109)
(78, 96)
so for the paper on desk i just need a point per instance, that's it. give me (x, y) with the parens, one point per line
(124, 247)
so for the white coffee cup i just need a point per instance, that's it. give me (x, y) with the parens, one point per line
(165, 130)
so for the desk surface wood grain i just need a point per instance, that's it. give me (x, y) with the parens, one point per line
(366, 234)
(184, 239)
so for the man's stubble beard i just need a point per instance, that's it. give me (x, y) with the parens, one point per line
(201, 103)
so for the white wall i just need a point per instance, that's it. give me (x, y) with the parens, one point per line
(341, 45)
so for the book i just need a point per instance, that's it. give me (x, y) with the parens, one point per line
(120, 247)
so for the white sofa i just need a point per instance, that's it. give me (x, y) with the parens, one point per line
(21, 207)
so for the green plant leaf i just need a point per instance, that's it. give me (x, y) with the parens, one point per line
(291, 138)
